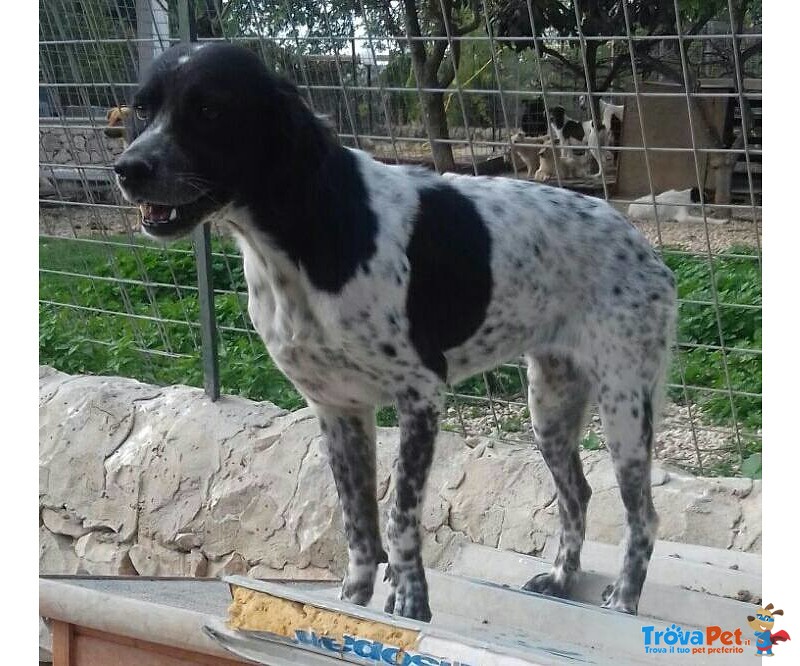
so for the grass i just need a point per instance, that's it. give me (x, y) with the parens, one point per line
(100, 340)
(735, 325)
(89, 341)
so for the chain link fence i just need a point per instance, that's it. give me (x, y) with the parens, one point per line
(447, 84)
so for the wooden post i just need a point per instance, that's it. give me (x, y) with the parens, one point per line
(62, 643)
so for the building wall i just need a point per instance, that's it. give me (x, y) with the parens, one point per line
(666, 125)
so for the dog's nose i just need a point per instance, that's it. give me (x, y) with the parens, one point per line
(132, 168)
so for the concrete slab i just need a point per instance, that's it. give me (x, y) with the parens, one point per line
(667, 594)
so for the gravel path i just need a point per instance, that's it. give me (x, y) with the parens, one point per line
(681, 439)
(691, 236)
(70, 221)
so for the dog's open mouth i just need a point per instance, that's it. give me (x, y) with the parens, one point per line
(166, 222)
(154, 215)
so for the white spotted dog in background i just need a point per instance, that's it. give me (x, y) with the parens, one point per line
(572, 132)
(672, 205)
(374, 284)
(611, 117)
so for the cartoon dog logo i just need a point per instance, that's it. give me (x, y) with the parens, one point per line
(762, 624)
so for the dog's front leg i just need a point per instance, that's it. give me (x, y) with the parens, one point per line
(419, 422)
(350, 444)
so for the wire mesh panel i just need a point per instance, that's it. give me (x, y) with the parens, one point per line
(654, 106)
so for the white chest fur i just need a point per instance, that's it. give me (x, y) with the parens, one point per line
(300, 336)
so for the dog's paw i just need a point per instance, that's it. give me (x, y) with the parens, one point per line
(357, 591)
(359, 583)
(546, 583)
(613, 599)
(409, 595)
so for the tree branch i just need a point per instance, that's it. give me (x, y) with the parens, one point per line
(418, 54)
(546, 50)
(389, 18)
(437, 53)
(749, 52)
(616, 65)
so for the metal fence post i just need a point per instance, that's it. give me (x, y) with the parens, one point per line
(202, 249)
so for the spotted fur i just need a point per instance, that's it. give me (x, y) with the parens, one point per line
(373, 284)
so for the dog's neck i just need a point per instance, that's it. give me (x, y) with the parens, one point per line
(321, 220)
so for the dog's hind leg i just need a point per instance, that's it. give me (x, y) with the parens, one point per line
(626, 408)
(419, 423)
(558, 396)
(350, 444)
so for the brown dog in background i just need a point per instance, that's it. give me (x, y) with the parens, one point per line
(117, 128)
(115, 123)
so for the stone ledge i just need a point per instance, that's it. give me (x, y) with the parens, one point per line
(153, 480)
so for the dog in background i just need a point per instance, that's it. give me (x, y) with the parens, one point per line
(553, 165)
(670, 206)
(117, 121)
(527, 148)
(611, 116)
(583, 133)
(543, 158)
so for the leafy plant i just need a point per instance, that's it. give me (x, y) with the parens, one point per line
(751, 467)
(591, 442)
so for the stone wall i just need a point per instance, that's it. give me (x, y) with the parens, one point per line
(81, 145)
(139, 479)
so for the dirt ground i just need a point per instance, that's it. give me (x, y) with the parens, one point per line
(71, 221)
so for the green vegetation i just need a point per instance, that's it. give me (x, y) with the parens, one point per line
(99, 340)
(738, 292)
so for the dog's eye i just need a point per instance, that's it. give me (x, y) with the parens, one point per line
(142, 112)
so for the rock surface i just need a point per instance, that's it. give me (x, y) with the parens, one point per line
(161, 481)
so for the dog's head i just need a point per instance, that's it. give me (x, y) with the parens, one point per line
(117, 122)
(558, 116)
(518, 137)
(694, 195)
(212, 127)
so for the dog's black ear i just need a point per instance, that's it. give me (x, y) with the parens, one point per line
(557, 116)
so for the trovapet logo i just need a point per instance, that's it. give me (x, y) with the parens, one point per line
(711, 640)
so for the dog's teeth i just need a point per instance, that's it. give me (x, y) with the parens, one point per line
(173, 214)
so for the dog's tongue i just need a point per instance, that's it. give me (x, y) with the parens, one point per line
(156, 213)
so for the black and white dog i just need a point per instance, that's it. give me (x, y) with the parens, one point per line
(373, 284)
(571, 132)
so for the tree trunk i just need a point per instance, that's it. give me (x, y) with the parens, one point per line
(723, 165)
(433, 107)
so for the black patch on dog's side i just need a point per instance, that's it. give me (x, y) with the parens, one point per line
(570, 128)
(573, 130)
(694, 195)
(451, 279)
